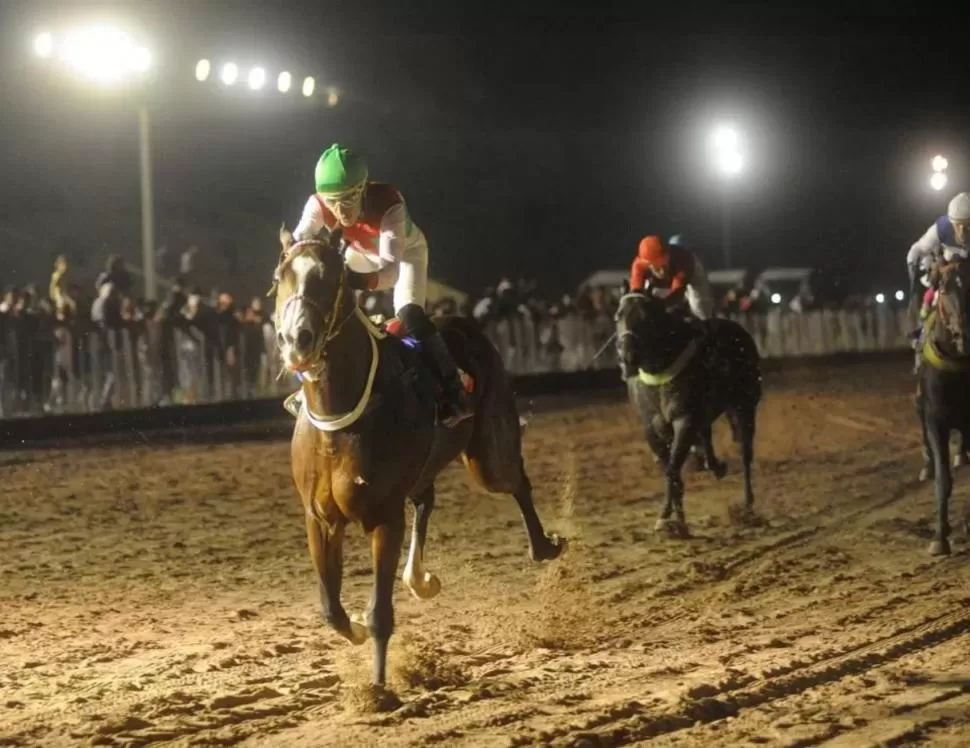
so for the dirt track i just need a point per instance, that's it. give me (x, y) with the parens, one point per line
(166, 595)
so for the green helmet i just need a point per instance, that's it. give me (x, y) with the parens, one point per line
(338, 170)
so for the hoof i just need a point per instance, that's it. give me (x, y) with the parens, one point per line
(358, 631)
(426, 588)
(959, 459)
(745, 516)
(698, 461)
(673, 528)
(719, 468)
(552, 548)
(383, 700)
(940, 548)
(926, 473)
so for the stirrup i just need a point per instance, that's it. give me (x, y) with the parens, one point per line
(293, 403)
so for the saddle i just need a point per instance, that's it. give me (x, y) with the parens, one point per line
(405, 358)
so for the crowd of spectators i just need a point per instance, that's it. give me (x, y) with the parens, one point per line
(92, 344)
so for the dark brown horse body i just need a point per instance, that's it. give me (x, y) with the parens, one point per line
(679, 384)
(367, 437)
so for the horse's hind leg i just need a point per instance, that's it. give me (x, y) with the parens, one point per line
(716, 466)
(423, 585)
(326, 549)
(386, 542)
(962, 457)
(743, 426)
(510, 477)
(658, 441)
(939, 439)
(541, 546)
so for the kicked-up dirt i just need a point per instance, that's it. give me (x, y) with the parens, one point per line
(163, 594)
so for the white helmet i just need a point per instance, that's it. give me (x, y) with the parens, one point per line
(959, 208)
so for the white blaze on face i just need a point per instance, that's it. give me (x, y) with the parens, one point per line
(296, 333)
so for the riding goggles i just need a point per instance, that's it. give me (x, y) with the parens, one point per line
(346, 200)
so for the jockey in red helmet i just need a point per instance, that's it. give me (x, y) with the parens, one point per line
(676, 275)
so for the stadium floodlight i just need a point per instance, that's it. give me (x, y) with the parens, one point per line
(939, 163)
(257, 78)
(230, 72)
(725, 138)
(308, 85)
(284, 82)
(109, 56)
(202, 70)
(104, 54)
(938, 180)
(44, 44)
(900, 295)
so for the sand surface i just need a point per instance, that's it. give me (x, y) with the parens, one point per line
(163, 594)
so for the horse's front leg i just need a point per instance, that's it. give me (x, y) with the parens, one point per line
(386, 542)
(655, 433)
(927, 471)
(939, 439)
(685, 436)
(326, 550)
(423, 585)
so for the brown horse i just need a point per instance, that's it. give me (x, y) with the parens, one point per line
(367, 439)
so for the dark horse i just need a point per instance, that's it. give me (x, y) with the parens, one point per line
(680, 382)
(943, 391)
(366, 439)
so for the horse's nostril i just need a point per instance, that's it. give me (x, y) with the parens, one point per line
(304, 339)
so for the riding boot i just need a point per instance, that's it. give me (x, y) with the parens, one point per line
(457, 405)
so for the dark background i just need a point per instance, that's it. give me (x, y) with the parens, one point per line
(526, 141)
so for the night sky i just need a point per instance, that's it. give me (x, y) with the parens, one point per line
(537, 143)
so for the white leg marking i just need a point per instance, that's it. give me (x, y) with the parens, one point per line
(423, 584)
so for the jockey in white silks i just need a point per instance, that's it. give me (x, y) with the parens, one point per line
(948, 238)
(385, 250)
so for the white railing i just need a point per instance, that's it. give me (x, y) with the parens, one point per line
(94, 371)
(569, 343)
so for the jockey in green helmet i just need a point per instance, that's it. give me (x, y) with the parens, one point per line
(385, 250)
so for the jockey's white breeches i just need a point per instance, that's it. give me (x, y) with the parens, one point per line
(699, 295)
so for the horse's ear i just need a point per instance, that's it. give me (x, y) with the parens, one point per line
(286, 237)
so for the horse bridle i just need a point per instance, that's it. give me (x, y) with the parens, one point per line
(621, 336)
(329, 319)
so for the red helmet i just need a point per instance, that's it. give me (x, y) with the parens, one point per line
(653, 252)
